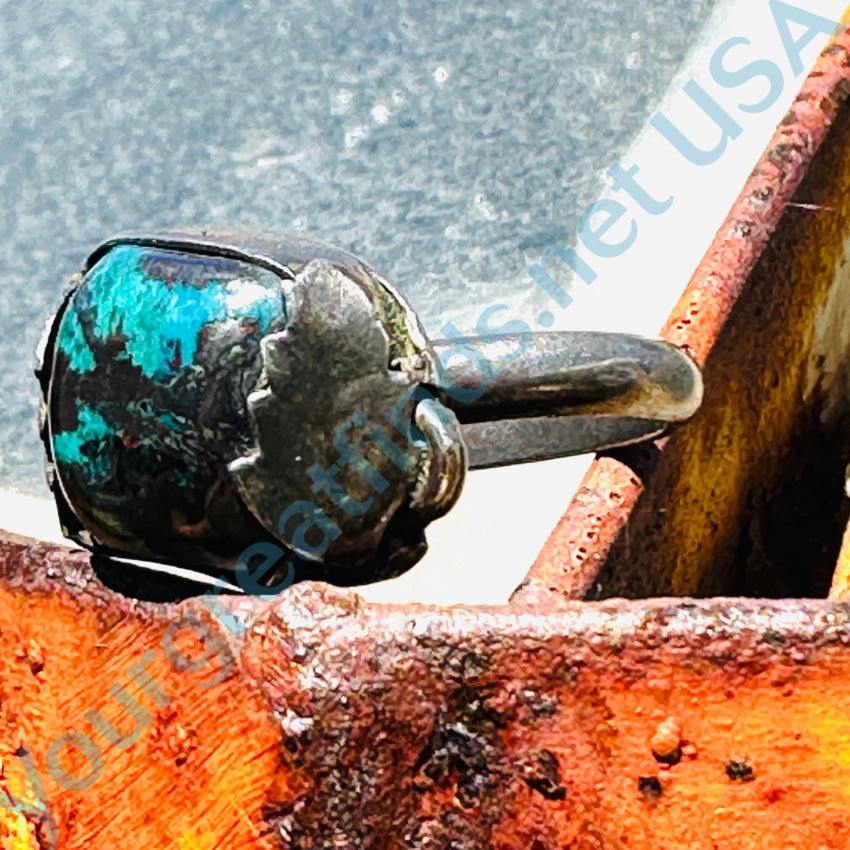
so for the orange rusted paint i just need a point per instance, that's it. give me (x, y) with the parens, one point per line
(198, 777)
(353, 725)
(494, 728)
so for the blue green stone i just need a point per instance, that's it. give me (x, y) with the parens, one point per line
(161, 319)
(93, 430)
(156, 353)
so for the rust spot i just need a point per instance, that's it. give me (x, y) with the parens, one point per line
(689, 751)
(543, 775)
(784, 152)
(650, 786)
(667, 742)
(740, 770)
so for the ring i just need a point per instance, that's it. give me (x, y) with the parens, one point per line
(206, 393)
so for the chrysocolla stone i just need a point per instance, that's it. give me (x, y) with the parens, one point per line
(155, 355)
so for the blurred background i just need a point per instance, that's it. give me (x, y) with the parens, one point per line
(447, 144)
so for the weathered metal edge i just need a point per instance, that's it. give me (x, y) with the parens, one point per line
(572, 557)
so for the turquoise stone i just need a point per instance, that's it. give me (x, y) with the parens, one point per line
(156, 353)
(161, 319)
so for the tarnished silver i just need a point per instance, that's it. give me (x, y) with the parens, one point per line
(562, 393)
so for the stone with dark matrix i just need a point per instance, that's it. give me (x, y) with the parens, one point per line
(155, 355)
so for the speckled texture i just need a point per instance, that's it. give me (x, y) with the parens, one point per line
(447, 144)
(161, 303)
(332, 723)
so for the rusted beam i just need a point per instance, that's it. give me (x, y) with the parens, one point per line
(201, 769)
(342, 724)
(732, 503)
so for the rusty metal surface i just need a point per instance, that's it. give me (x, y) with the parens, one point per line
(471, 729)
(204, 763)
(343, 724)
(764, 315)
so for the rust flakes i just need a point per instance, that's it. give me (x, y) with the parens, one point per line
(740, 770)
(784, 153)
(666, 743)
(542, 773)
(650, 787)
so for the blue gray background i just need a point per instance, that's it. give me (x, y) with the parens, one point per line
(448, 144)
